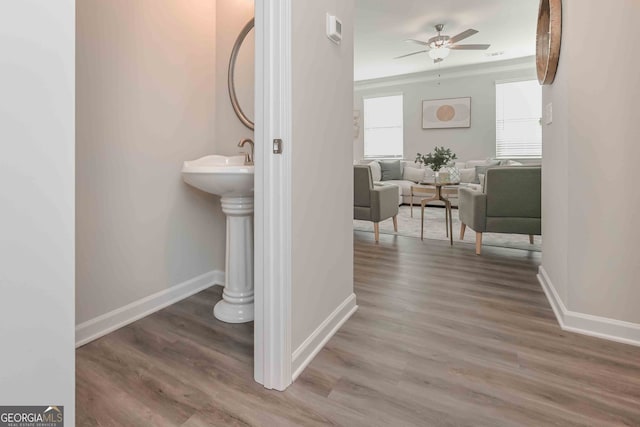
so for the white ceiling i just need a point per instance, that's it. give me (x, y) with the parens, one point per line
(383, 25)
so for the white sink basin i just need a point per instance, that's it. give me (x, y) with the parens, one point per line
(220, 175)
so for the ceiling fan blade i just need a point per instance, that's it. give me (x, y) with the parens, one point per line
(470, 46)
(420, 42)
(463, 35)
(410, 54)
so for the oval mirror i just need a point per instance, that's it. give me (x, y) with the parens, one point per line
(241, 75)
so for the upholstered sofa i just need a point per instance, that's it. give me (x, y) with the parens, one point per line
(413, 173)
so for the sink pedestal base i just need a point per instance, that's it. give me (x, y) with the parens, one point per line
(236, 305)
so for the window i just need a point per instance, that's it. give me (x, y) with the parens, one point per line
(383, 129)
(518, 129)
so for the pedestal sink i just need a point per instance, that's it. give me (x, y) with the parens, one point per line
(232, 180)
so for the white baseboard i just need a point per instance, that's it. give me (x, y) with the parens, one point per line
(587, 324)
(116, 319)
(317, 340)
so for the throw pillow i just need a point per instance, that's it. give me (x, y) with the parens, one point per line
(474, 163)
(376, 172)
(510, 163)
(468, 175)
(413, 174)
(391, 170)
(408, 164)
(460, 165)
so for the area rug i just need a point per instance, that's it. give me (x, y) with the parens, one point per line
(434, 228)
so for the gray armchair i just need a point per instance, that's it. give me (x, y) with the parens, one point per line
(510, 203)
(372, 203)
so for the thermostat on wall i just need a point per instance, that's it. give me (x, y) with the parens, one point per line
(334, 29)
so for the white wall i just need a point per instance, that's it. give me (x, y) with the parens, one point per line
(322, 246)
(146, 97)
(477, 82)
(232, 16)
(37, 204)
(606, 97)
(590, 245)
(555, 171)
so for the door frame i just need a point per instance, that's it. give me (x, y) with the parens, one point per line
(272, 233)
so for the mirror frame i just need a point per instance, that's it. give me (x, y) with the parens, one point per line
(548, 40)
(230, 78)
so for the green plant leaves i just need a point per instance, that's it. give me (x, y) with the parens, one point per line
(440, 157)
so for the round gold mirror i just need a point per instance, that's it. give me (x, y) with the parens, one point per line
(548, 40)
(241, 69)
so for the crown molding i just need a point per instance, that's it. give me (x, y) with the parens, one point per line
(527, 63)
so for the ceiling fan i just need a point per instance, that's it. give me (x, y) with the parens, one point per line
(439, 47)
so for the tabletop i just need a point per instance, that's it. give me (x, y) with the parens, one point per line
(438, 184)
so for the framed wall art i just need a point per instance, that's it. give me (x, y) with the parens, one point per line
(356, 124)
(446, 113)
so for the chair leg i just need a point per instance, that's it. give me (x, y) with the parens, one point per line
(531, 239)
(376, 230)
(478, 243)
(422, 224)
(411, 204)
(450, 223)
(463, 228)
(446, 218)
(395, 223)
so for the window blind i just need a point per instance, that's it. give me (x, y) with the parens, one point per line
(383, 127)
(518, 128)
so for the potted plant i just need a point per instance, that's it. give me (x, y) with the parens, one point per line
(438, 159)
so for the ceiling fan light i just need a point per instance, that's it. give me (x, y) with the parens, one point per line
(439, 53)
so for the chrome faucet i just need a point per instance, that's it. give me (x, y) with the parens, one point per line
(248, 157)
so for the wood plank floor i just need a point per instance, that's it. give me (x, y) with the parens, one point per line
(442, 337)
